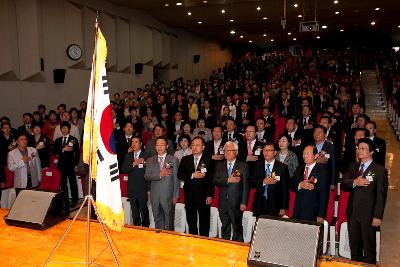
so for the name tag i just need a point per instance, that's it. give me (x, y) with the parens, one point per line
(257, 152)
(49, 174)
(277, 177)
(70, 144)
(203, 170)
(125, 178)
(221, 151)
(140, 166)
(369, 178)
(327, 156)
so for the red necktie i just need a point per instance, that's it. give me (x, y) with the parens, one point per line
(249, 150)
(305, 177)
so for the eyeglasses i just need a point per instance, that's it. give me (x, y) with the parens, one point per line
(231, 150)
(269, 150)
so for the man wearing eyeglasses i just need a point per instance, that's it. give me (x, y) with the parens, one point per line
(232, 175)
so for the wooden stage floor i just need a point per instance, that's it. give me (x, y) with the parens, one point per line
(137, 247)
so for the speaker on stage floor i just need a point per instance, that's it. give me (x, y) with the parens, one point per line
(285, 242)
(38, 209)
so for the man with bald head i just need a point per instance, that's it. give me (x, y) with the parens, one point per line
(232, 175)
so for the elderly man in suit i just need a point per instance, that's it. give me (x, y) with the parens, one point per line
(232, 176)
(162, 172)
(24, 161)
(368, 185)
(196, 171)
(272, 184)
(134, 166)
(311, 183)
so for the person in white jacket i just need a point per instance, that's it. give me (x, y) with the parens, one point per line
(24, 161)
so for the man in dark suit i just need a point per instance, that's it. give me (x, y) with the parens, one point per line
(232, 175)
(270, 126)
(350, 120)
(232, 135)
(322, 100)
(215, 147)
(134, 166)
(243, 118)
(207, 112)
(66, 148)
(26, 127)
(175, 127)
(326, 154)
(311, 183)
(196, 171)
(254, 149)
(306, 124)
(368, 184)
(332, 136)
(379, 155)
(124, 143)
(296, 134)
(350, 154)
(263, 134)
(272, 185)
(285, 105)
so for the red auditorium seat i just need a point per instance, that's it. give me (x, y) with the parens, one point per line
(257, 113)
(280, 127)
(123, 183)
(215, 202)
(251, 199)
(53, 161)
(292, 198)
(9, 178)
(181, 196)
(51, 179)
(146, 136)
(331, 206)
(342, 207)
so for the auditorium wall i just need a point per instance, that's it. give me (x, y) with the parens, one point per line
(36, 33)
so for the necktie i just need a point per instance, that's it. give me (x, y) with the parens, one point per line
(230, 169)
(305, 177)
(128, 140)
(267, 173)
(243, 115)
(65, 141)
(196, 162)
(304, 121)
(361, 170)
(160, 162)
(249, 150)
(230, 136)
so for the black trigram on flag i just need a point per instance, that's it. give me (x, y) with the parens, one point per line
(105, 84)
(113, 167)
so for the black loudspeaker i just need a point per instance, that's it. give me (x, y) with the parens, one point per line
(196, 59)
(138, 68)
(59, 75)
(38, 209)
(285, 242)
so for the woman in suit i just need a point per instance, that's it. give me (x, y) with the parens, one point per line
(201, 126)
(183, 143)
(42, 145)
(286, 156)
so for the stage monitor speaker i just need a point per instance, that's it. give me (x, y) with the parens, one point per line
(59, 75)
(285, 242)
(196, 59)
(138, 68)
(38, 209)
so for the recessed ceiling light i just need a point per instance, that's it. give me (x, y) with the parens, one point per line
(341, 30)
(265, 18)
(377, 9)
(223, 11)
(318, 37)
(373, 23)
(166, 4)
(265, 35)
(324, 27)
(289, 33)
(231, 20)
(205, 2)
(336, 2)
(189, 13)
(241, 36)
(398, 26)
(178, 3)
(296, 5)
(272, 40)
(232, 32)
(294, 38)
(250, 41)
(300, 16)
(337, 12)
(199, 22)
(258, 8)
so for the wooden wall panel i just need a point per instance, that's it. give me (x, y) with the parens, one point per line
(123, 45)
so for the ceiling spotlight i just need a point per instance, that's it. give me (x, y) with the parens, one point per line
(199, 22)
(241, 36)
(336, 2)
(324, 27)
(318, 37)
(294, 38)
(373, 23)
(265, 18)
(205, 2)
(223, 11)
(377, 8)
(300, 16)
(272, 40)
(178, 3)
(189, 13)
(337, 12)
(166, 4)
(231, 20)
(232, 32)
(341, 30)
(289, 33)
(296, 5)
(398, 26)
(250, 41)
(265, 35)
(258, 8)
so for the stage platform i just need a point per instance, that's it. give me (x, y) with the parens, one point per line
(137, 247)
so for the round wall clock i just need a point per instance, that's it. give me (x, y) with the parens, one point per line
(74, 52)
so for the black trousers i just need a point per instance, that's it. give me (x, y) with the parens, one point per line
(28, 185)
(203, 210)
(140, 212)
(68, 174)
(362, 239)
(231, 219)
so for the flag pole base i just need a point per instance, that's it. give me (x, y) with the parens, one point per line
(90, 203)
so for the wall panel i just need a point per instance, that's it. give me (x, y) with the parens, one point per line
(123, 45)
